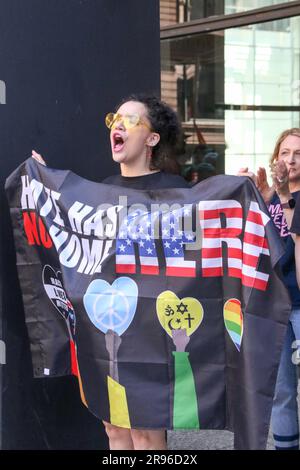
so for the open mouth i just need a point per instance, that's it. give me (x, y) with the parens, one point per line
(117, 142)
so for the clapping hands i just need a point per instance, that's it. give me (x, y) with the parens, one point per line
(261, 181)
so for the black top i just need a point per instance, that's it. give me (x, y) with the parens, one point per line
(287, 262)
(158, 180)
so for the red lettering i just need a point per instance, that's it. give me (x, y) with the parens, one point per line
(221, 222)
(44, 235)
(35, 230)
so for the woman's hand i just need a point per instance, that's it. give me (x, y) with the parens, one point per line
(260, 180)
(280, 177)
(245, 172)
(263, 186)
(38, 157)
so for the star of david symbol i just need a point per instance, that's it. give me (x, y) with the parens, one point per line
(182, 308)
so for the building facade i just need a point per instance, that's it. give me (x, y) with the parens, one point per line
(231, 68)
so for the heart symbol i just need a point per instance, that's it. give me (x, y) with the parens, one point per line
(111, 307)
(53, 285)
(174, 313)
(233, 319)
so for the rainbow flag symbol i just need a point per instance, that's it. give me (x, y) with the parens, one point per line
(233, 319)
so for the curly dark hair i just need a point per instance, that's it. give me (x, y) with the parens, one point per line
(164, 121)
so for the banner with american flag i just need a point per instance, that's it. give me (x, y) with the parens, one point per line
(166, 304)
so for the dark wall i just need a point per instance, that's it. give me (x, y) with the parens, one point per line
(65, 64)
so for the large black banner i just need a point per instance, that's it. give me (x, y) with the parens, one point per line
(63, 67)
(165, 304)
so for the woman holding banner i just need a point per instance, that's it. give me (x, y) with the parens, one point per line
(144, 134)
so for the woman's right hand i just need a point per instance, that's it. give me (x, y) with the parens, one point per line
(261, 182)
(38, 157)
(263, 186)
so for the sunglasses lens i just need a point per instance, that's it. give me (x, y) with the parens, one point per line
(131, 120)
(109, 119)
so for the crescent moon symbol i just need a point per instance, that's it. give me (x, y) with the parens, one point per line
(172, 327)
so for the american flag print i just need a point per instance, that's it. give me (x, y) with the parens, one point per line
(138, 229)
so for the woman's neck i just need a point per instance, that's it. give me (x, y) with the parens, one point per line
(294, 186)
(131, 171)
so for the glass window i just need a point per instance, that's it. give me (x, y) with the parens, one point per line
(180, 11)
(234, 90)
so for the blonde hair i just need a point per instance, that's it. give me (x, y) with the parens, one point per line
(283, 135)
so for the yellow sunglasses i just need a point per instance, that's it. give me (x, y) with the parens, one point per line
(129, 121)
